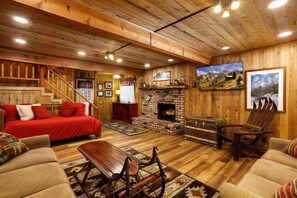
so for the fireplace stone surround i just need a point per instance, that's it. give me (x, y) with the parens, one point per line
(149, 118)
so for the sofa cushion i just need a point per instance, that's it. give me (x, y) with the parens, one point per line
(280, 157)
(40, 112)
(10, 147)
(57, 191)
(11, 113)
(79, 109)
(32, 179)
(30, 158)
(67, 110)
(258, 185)
(291, 148)
(25, 111)
(268, 169)
(288, 190)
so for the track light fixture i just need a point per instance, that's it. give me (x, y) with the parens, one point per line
(218, 7)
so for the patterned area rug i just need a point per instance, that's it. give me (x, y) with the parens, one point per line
(178, 185)
(125, 129)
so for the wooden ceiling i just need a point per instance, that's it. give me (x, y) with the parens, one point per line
(251, 26)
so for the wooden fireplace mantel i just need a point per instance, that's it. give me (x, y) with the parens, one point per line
(162, 88)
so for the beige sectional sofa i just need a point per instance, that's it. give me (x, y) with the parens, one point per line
(35, 173)
(274, 169)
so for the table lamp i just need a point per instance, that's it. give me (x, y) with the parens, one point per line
(117, 93)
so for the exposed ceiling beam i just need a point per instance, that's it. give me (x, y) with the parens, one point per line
(112, 26)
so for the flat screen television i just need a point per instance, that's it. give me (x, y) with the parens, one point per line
(221, 77)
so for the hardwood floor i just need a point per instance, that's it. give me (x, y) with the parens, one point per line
(202, 162)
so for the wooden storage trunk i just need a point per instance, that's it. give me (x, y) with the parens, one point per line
(203, 129)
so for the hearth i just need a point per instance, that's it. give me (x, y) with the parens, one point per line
(166, 111)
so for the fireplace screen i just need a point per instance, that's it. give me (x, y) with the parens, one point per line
(166, 111)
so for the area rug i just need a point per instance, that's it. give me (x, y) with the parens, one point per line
(125, 129)
(178, 185)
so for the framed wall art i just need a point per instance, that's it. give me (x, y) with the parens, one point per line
(162, 76)
(100, 86)
(266, 83)
(108, 85)
(108, 93)
(100, 93)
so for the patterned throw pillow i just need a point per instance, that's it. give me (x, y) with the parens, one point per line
(10, 147)
(288, 190)
(291, 148)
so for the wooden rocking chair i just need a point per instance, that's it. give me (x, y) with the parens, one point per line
(251, 133)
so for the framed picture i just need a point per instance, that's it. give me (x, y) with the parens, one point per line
(162, 76)
(266, 83)
(100, 93)
(100, 86)
(228, 76)
(108, 85)
(108, 93)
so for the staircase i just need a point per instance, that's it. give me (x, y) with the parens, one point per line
(46, 78)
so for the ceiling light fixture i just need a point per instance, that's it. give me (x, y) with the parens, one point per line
(111, 56)
(116, 76)
(284, 34)
(21, 41)
(147, 65)
(170, 60)
(277, 3)
(233, 6)
(81, 53)
(218, 8)
(20, 20)
(225, 47)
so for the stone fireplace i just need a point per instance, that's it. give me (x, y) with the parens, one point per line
(166, 112)
(162, 110)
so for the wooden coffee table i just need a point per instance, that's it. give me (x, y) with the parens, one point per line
(109, 160)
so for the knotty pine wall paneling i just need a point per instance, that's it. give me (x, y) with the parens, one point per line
(230, 105)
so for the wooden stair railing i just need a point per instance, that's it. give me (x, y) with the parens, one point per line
(66, 91)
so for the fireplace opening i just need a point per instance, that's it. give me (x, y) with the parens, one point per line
(166, 111)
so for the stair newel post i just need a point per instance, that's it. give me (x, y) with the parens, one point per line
(41, 76)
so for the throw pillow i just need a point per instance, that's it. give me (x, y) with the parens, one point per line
(288, 190)
(67, 110)
(25, 111)
(10, 147)
(40, 112)
(11, 113)
(291, 148)
(79, 109)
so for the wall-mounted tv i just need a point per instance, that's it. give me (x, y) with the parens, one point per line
(221, 77)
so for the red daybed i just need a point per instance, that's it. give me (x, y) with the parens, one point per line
(57, 127)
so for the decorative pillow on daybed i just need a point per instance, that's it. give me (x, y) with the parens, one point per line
(79, 109)
(25, 111)
(67, 110)
(288, 190)
(40, 112)
(11, 113)
(10, 147)
(291, 148)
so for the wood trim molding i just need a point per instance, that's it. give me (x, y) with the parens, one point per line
(13, 55)
(114, 27)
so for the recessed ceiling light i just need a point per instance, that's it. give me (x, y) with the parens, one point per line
(170, 60)
(147, 65)
(284, 34)
(225, 47)
(277, 3)
(20, 19)
(119, 60)
(21, 41)
(81, 53)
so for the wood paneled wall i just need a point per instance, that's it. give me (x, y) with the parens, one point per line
(231, 104)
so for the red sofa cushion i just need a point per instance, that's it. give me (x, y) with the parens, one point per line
(68, 109)
(79, 109)
(40, 112)
(11, 113)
